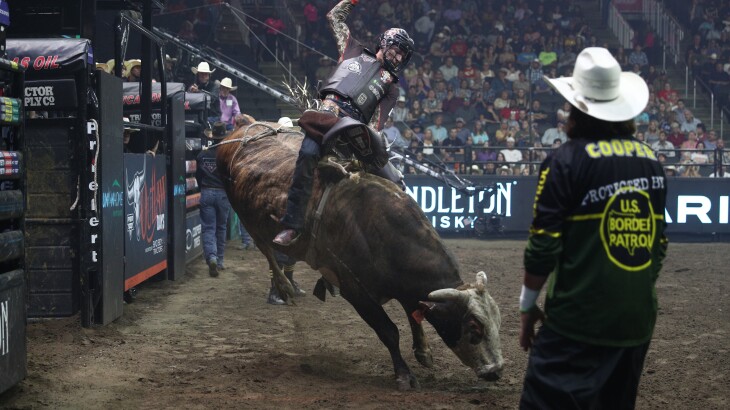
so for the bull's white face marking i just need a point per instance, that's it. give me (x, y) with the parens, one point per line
(485, 356)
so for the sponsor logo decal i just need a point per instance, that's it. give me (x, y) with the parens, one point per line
(628, 228)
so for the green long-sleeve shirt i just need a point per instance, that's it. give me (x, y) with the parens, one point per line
(598, 230)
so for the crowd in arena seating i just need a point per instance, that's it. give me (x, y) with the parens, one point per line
(474, 98)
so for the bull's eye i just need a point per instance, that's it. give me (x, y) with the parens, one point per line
(474, 330)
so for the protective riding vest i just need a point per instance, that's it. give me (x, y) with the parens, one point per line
(362, 80)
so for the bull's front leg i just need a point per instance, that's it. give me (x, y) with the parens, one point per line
(374, 315)
(421, 349)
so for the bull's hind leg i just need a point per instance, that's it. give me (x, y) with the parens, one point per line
(282, 284)
(374, 315)
(421, 349)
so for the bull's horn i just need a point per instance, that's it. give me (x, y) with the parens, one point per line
(444, 295)
(481, 283)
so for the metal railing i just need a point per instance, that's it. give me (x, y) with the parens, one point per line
(666, 27)
(620, 27)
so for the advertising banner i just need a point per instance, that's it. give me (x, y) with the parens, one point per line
(145, 210)
(49, 57)
(193, 239)
(695, 206)
(50, 95)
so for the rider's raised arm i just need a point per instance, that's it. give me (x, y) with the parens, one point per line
(336, 18)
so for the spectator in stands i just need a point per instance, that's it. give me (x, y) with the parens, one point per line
(676, 136)
(500, 82)
(503, 101)
(204, 84)
(535, 72)
(438, 46)
(537, 114)
(622, 58)
(566, 61)
(424, 28)
(274, 28)
(454, 145)
(638, 57)
(430, 145)
(670, 171)
(554, 133)
(399, 114)
(187, 32)
(311, 18)
(450, 72)
(479, 134)
(699, 156)
(431, 105)
(679, 111)
(392, 133)
(690, 122)
(521, 83)
(461, 132)
(416, 113)
(501, 135)
(667, 95)
(662, 146)
(691, 141)
(490, 114)
(719, 79)
(486, 73)
(451, 103)
(548, 57)
(563, 112)
(721, 151)
(652, 132)
(228, 103)
(511, 154)
(437, 129)
(214, 206)
(133, 69)
(711, 140)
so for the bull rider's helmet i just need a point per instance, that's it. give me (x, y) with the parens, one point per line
(399, 38)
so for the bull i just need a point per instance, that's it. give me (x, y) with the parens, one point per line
(372, 241)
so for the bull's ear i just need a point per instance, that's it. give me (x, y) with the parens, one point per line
(476, 330)
(436, 310)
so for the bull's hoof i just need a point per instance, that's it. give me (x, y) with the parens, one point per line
(407, 382)
(424, 357)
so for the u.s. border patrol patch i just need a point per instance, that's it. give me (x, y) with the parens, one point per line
(628, 228)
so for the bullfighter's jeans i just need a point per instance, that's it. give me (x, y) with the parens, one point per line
(214, 207)
(301, 186)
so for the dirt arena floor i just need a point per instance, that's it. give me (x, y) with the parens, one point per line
(212, 343)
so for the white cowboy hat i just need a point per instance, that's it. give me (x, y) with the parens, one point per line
(600, 89)
(203, 67)
(226, 82)
(285, 122)
(130, 64)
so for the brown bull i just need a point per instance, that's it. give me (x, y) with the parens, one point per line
(374, 242)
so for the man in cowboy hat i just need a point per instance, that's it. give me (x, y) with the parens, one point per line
(132, 70)
(228, 103)
(203, 83)
(214, 205)
(598, 228)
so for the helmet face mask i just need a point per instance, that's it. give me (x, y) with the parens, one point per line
(394, 42)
